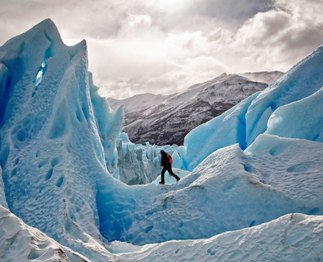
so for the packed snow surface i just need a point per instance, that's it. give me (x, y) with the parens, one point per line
(293, 237)
(19, 242)
(59, 146)
(229, 190)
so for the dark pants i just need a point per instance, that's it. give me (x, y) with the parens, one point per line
(170, 171)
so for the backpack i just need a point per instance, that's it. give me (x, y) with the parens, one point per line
(170, 159)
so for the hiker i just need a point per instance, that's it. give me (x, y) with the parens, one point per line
(166, 163)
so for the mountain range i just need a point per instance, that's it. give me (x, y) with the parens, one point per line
(163, 120)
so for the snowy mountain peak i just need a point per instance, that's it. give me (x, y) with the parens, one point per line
(168, 120)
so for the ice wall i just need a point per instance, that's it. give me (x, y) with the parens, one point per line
(304, 79)
(300, 119)
(54, 142)
(138, 164)
(224, 130)
(109, 125)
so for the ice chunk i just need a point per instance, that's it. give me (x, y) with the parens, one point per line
(300, 119)
(177, 160)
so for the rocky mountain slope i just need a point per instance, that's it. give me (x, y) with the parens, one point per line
(167, 119)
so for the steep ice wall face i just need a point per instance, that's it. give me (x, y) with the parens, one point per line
(300, 119)
(109, 125)
(224, 130)
(51, 145)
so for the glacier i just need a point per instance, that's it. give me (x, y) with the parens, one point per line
(250, 178)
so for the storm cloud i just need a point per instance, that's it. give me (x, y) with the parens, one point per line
(164, 46)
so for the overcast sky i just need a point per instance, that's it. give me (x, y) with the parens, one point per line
(164, 46)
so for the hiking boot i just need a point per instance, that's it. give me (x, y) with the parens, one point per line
(162, 183)
(178, 179)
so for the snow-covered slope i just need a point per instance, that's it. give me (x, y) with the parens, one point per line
(294, 237)
(229, 190)
(169, 121)
(137, 103)
(19, 242)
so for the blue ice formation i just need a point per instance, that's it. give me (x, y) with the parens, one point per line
(138, 164)
(300, 119)
(244, 122)
(60, 145)
(56, 141)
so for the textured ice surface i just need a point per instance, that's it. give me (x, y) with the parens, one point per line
(294, 237)
(229, 190)
(138, 164)
(53, 145)
(19, 242)
(300, 119)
